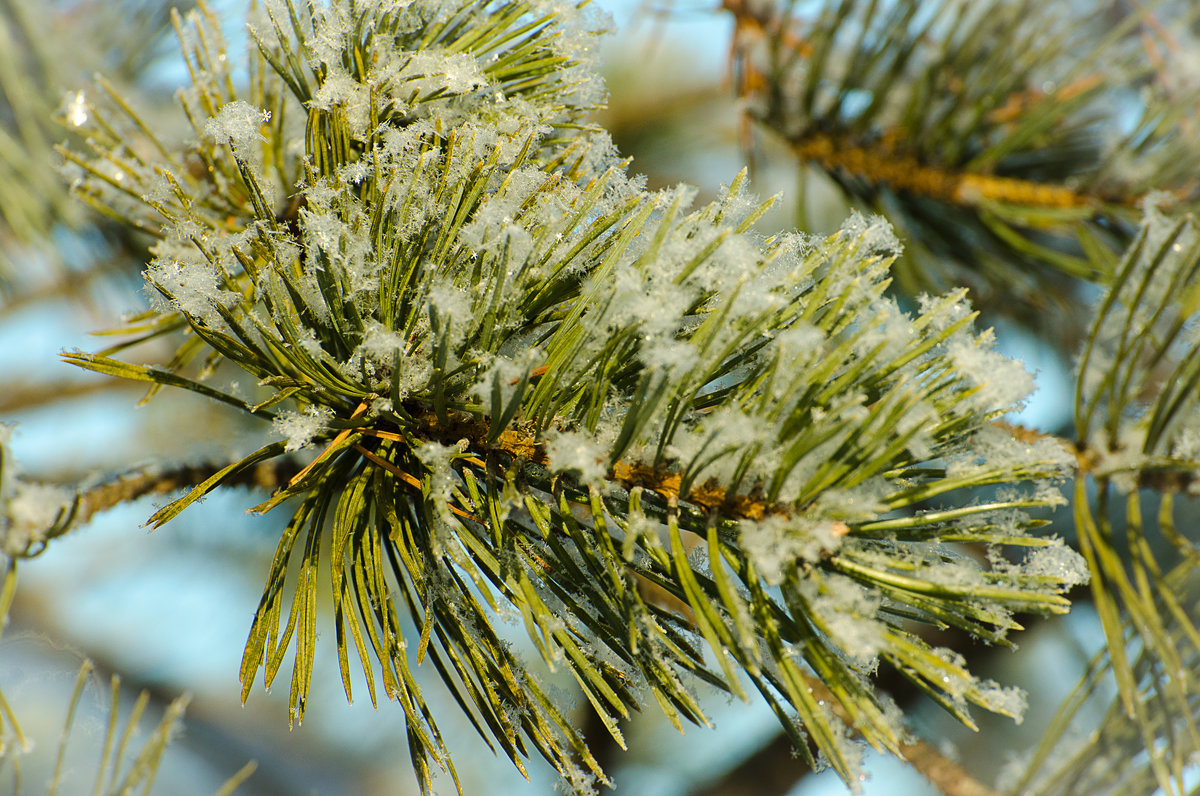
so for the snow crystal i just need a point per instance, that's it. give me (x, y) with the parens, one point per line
(505, 373)
(457, 73)
(299, 428)
(320, 196)
(851, 747)
(192, 282)
(29, 512)
(240, 125)
(947, 567)
(806, 466)
(1059, 562)
(620, 186)
(577, 452)
(774, 543)
(1182, 77)
(579, 29)
(454, 307)
(739, 261)
(1008, 701)
(437, 459)
(1002, 383)
(994, 448)
(1186, 445)
(332, 28)
(798, 345)
(874, 233)
(918, 421)
(1122, 459)
(725, 432)
(497, 225)
(325, 231)
(379, 345)
(848, 611)
(673, 356)
(160, 193)
(1047, 494)
(860, 503)
(884, 331)
(462, 73)
(340, 90)
(75, 108)
(639, 301)
(942, 312)
(336, 234)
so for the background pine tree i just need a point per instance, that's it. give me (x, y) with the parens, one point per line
(536, 432)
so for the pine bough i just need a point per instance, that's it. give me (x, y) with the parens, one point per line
(682, 455)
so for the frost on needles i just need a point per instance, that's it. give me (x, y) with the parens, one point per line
(530, 387)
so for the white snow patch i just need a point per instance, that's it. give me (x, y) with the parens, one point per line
(299, 428)
(776, 542)
(239, 124)
(577, 452)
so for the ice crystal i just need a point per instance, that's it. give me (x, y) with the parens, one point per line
(577, 452)
(75, 108)
(240, 125)
(776, 543)
(300, 427)
(28, 510)
(1059, 562)
(1001, 383)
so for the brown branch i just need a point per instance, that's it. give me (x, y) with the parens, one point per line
(882, 163)
(1162, 474)
(519, 442)
(774, 769)
(267, 475)
(758, 28)
(948, 777)
(30, 396)
(90, 501)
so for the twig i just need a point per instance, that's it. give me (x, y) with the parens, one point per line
(31, 396)
(267, 476)
(775, 769)
(948, 777)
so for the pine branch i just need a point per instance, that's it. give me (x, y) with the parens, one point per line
(30, 529)
(1136, 414)
(884, 164)
(267, 476)
(908, 109)
(681, 453)
(534, 386)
